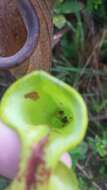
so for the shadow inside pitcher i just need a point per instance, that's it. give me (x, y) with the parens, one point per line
(13, 32)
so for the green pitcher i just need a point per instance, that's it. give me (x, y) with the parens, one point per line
(50, 119)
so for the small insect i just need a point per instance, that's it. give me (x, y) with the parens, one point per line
(32, 95)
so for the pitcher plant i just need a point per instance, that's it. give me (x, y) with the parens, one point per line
(50, 118)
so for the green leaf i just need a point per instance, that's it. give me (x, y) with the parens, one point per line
(59, 21)
(68, 7)
(79, 153)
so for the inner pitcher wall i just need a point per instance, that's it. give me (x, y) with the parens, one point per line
(12, 30)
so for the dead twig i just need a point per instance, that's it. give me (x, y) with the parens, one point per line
(57, 37)
(88, 176)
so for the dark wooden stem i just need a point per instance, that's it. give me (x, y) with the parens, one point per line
(31, 21)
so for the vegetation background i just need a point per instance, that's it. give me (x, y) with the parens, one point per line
(80, 59)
